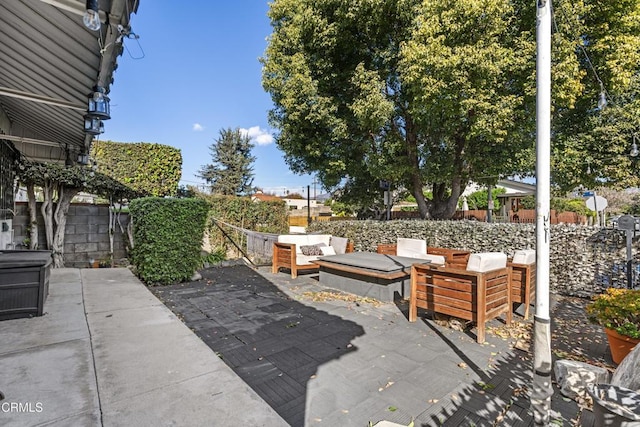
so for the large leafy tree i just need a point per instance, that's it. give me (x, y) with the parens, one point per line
(422, 93)
(231, 172)
(591, 145)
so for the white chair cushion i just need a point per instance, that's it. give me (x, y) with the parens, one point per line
(486, 261)
(435, 259)
(412, 248)
(339, 244)
(524, 256)
(296, 239)
(304, 240)
(314, 239)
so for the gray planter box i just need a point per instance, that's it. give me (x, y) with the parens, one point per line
(24, 283)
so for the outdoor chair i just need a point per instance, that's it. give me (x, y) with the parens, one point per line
(416, 248)
(523, 278)
(478, 293)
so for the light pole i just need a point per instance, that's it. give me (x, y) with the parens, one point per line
(542, 389)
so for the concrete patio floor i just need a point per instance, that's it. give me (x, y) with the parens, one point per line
(247, 347)
(108, 353)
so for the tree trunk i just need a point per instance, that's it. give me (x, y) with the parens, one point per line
(129, 231)
(417, 185)
(47, 212)
(442, 206)
(33, 216)
(65, 196)
(445, 207)
(112, 227)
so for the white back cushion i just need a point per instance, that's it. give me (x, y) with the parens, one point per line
(314, 239)
(297, 239)
(339, 244)
(486, 261)
(412, 248)
(524, 256)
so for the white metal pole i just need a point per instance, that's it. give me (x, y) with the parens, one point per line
(542, 389)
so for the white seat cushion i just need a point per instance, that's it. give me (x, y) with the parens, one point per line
(486, 261)
(524, 256)
(435, 259)
(412, 248)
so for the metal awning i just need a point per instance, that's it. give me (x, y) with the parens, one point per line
(49, 64)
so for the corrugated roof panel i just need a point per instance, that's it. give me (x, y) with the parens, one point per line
(47, 51)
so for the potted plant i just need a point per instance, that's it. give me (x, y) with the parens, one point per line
(618, 311)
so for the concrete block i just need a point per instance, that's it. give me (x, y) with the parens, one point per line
(75, 238)
(99, 219)
(86, 228)
(573, 376)
(81, 210)
(86, 247)
(77, 219)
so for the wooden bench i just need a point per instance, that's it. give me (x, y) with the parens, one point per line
(473, 296)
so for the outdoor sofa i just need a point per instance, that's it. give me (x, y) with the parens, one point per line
(296, 252)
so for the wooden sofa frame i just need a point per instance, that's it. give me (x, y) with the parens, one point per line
(523, 284)
(478, 297)
(284, 256)
(453, 257)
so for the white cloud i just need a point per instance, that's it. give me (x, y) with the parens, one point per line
(197, 127)
(257, 135)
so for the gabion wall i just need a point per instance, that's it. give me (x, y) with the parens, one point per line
(584, 259)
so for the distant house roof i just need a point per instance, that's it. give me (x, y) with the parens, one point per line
(261, 197)
(516, 188)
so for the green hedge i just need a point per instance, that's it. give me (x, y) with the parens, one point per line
(167, 235)
(151, 168)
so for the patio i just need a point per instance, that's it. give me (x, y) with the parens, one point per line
(268, 355)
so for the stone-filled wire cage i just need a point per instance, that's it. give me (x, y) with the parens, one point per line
(8, 156)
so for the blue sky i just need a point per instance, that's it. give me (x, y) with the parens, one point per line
(194, 72)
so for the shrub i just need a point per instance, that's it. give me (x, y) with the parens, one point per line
(167, 235)
(617, 309)
(480, 199)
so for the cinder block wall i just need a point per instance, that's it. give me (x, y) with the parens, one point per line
(86, 234)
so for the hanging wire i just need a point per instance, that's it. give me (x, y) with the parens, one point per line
(604, 95)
